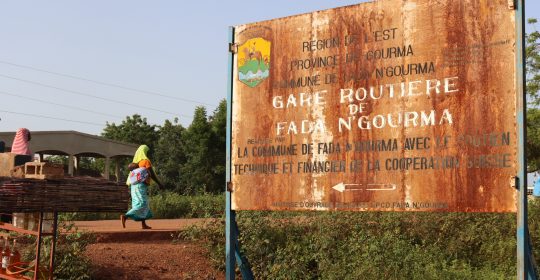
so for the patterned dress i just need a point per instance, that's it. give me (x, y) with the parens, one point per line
(140, 208)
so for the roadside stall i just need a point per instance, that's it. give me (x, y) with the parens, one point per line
(34, 193)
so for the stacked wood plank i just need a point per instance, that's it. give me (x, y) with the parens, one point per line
(74, 194)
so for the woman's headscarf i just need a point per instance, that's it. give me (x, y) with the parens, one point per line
(20, 143)
(141, 154)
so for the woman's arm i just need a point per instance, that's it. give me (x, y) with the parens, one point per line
(154, 177)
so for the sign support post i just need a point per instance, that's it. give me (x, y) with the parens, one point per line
(229, 214)
(232, 245)
(525, 264)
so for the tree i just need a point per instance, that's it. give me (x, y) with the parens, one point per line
(188, 160)
(196, 171)
(170, 155)
(532, 56)
(134, 129)
(218, 140)
(533, 139)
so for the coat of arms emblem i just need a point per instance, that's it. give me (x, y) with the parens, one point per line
(254, 61)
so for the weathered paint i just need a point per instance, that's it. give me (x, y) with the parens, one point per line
(470, 47)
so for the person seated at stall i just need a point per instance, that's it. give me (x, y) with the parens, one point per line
(20, 142)
(21, 147)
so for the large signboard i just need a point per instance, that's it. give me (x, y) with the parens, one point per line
(389, 105)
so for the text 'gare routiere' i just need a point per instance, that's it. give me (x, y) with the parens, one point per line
(393, 102)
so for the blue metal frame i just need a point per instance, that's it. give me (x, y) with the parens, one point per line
(229, 213)
(525, 262)
(232, 245)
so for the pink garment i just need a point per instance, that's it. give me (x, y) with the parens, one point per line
(20, 143)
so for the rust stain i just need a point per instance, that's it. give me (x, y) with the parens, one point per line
(434, 75)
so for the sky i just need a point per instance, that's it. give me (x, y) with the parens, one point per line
(84, 63)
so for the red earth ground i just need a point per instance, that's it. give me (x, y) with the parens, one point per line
(133, 253)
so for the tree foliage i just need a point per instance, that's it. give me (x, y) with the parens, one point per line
(218, 140)
(533, 139)
(532, 56)
(187, 160)
(170, 154)
(134, 129)
(197, 168)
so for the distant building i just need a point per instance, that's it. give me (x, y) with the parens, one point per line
(75, 145)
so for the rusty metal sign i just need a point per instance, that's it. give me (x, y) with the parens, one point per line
(387, 106)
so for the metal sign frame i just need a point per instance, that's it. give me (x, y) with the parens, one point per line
(525, 261)
(232, 246)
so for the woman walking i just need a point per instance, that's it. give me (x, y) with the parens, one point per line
(140, 177)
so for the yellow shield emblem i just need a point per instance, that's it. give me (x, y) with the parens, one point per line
(254, 61)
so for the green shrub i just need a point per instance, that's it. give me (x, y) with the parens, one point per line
(167, 205)
(69, 258)
(70, 261)
(374, 245)
(170, 205)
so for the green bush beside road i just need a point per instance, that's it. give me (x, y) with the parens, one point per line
(170, 205)
(167, 205)
(375, 245)
(70, 260)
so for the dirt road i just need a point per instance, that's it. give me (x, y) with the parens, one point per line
(133, 253)
(108, 226)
